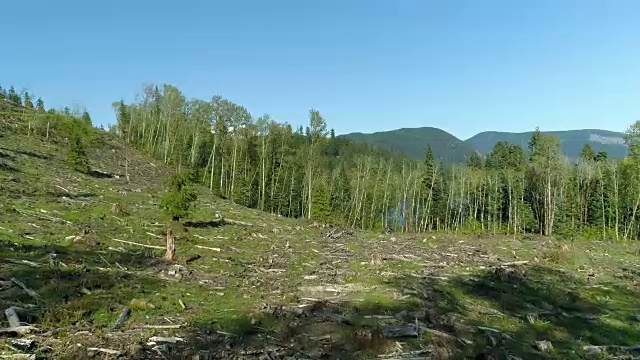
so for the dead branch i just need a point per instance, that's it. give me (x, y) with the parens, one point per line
(42, 216)
(154, 235)
(177, 326)
(24, 287)
(63, 189)
(515, 263)
(106, 351)
(208, 248)
(19, 356)
(138, 244)
(22, 262)
(182, 305)
(172, 340)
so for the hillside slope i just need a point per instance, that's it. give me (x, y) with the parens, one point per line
(413, 142)
(571, 141)
(77, 249)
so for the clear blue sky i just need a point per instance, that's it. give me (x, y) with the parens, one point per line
(367, 65)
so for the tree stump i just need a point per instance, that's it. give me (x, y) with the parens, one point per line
(171, 246)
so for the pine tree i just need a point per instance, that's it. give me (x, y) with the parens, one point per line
(3, 94)
(40, 105)
(475, 160)
(587, 153)
(86, 117)
(13, 96)
(77, 155)
(180, 198)
(27, 100)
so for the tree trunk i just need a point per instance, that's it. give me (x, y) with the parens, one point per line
(171, 246)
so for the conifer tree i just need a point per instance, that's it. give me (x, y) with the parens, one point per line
(13, 96)
(27, 100)
(77, 154)
(86, 117)
(40, 105)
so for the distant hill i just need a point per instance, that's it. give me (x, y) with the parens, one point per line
(413, 142)
(571, 141)
(450, 149)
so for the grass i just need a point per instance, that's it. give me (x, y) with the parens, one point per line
(570, 293)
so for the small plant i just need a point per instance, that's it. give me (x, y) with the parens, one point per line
(177, 203)
(77, 155)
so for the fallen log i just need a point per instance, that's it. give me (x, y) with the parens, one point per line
(236, 222)
(208, 248)
(22, 262)
(106, 351)
(515, 263)
(161, 339)
(177, 326)
(18, 330)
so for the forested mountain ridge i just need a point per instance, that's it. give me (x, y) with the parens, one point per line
(413, 142)
(451, 150)
(571, 141)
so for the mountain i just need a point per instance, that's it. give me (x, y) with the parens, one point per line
(450, 149)
(413, 142)
(571, 141)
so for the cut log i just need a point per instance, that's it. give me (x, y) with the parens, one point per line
(18, 330)
(12, 317)
(124, 315)
(161, 339)
(22, 262)
(171, 246)
(177, 326)
(405, 331)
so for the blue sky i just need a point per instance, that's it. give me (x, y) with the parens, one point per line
(367, 65)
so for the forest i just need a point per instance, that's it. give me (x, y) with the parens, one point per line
(310, 173)
(261, 163)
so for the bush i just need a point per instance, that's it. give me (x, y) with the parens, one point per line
(177, 203)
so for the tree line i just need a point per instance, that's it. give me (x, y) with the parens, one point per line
(310, 173)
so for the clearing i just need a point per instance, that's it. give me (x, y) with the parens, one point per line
(277, 288)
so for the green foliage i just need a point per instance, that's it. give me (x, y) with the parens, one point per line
(28, 103)
(40, 105)
(321, 210)
(180, 197)
(77, 155)
(475, 160)
(86, 118)
(13, 96)
(587, 153)
(3, 94)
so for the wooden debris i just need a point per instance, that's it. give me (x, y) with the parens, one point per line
(18, 330)
(18, 356)
(236, 222)
(182, 305)
(171, 246)
(63, 189)
(31, 293)
(154, 235)
(594, 349)
(22, 262)
(515, 263)
(162, 339)
(124, 315)
(106, 351)
(208, 248)
(138, 244)
(176, 326)
(12, 317)
(392, 332)
(543, 346)
(438, 333)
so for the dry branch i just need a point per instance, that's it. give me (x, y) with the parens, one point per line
(177, 326)
(18, 330)
(106, 351)
(24, 287)
(161, 339)
(515, 263)
(22, 262)
(138, 244)
(208, 248)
